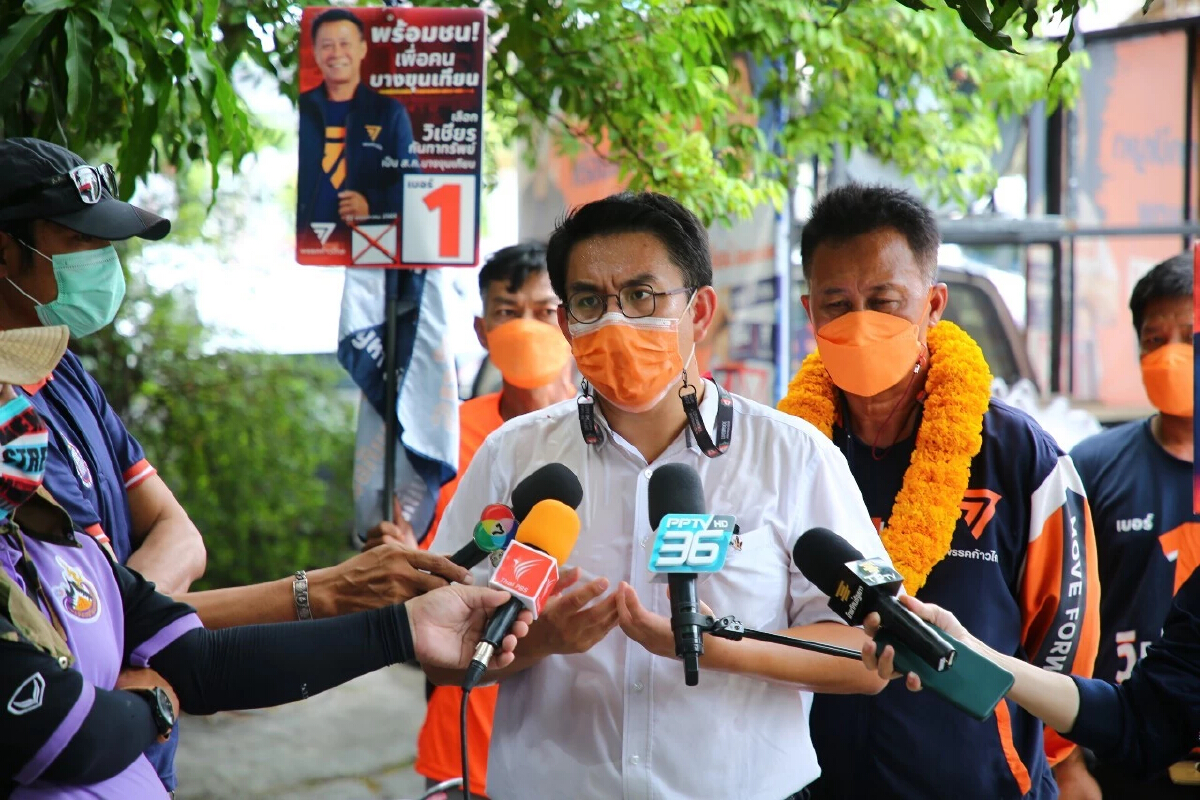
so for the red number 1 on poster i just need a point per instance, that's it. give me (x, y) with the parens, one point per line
(439, 220)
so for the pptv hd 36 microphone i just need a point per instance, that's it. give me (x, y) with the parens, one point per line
(498, 523)
(857, 586)
(687, 540)
(529, 572)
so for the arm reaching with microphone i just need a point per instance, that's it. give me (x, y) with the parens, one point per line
(1143, 724)
(807, 670)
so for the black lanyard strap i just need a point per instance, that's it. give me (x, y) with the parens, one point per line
(687, 395)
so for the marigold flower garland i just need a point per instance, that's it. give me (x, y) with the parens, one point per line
(927, 509)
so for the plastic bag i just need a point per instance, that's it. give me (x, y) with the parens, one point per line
(1067, 425)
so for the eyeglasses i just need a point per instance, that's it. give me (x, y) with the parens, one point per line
(633, 301)
(88, 181)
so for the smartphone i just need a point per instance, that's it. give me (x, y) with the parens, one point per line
(973, 684)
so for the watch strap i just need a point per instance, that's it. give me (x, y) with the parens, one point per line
(161, 708)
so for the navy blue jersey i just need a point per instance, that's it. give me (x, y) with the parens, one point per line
(92, 460)
(1021, 576)
(1147, 537)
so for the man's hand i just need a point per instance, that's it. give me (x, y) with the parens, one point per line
(384, 575)
(652, 631)
(568, 624)
(352, 205)
(398, 532)
(1074, 780)
(131, 678)
(446, 625)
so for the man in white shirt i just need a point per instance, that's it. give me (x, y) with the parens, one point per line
(586, 711)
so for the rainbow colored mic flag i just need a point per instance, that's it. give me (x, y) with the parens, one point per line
(497, 527)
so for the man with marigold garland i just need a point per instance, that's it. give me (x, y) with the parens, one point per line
(977, 506)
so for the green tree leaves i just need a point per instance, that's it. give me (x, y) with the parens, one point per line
(656, 83)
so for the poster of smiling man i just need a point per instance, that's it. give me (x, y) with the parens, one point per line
(391, 137)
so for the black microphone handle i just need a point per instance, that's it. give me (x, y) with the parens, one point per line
(469, 555)
(911, 630)
(501, 622)
(688, 644)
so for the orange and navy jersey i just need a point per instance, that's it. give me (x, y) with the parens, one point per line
(1021, 575)
(1147, 537)
(438, 755)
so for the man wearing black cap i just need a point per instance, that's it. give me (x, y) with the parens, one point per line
(58, 219)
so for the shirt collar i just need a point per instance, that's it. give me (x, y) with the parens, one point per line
(708, 413)
(42, 518)
(33, 388)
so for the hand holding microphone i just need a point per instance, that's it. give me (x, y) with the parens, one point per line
(882, 659)
(529, 572)
(860, 590)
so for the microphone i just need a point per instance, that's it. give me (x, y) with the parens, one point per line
(687, 540)
(498, 523)
(858, 586)
(529, 572)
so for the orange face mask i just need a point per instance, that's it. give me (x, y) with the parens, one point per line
(868, 352)
(1168, 376)
(528, 353)
(632, 363)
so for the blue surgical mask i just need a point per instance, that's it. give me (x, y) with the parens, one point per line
(91, 287)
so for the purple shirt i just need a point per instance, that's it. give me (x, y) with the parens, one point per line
(80, 582)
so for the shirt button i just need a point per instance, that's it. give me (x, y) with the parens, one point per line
(637, 687)
(649, 472)
(634, 760)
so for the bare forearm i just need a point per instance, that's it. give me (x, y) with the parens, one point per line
(264, 602)
(1050, 696)
(171, 556)
(793, 666)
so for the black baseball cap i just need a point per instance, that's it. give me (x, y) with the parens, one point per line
(24, 163)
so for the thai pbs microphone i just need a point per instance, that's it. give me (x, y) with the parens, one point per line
(857, 586)
(687, 540)
(498, 523)
(529, 572)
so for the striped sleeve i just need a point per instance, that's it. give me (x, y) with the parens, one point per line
(1060, 584)
(135, 469)
(137, 473)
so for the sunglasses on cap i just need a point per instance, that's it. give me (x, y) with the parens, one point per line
(88, 182)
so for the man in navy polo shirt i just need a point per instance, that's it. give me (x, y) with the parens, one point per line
(58, 217)
(1138, 477)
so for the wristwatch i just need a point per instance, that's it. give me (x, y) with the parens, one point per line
(160, 707)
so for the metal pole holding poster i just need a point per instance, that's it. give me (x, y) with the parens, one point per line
(391, 385)
(391, 103)
(391, 381)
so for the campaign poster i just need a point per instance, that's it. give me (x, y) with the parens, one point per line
(391, 137)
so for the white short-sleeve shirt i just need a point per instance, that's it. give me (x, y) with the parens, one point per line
(616, 721)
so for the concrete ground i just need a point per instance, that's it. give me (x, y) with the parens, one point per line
(355, 742)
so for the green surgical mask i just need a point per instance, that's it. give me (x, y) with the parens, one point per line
(91, 287)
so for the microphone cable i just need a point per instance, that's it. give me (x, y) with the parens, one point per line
(462, 738)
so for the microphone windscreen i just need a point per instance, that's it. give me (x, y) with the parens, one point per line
(675, 489)
(552, 527)
(550, 482)
(821, 555)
